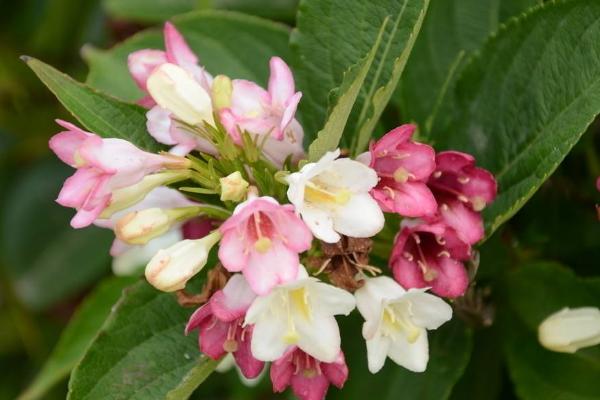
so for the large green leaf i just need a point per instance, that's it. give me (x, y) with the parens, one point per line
(523, 102)
(329, 137)
(46, 259)
(77, 336)
(533, 292)
(227, 43)
(99, 113)
(140, 351)
(449, 28)
(332, 35)
(450, 348)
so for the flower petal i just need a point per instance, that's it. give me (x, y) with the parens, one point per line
(281, 82)
(377, 351)
(361, 217)
(412, 356)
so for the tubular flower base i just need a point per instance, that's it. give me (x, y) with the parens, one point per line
(235, 186)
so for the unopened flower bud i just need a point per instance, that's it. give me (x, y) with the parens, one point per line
(128, 196)
(171, 268)
(174, 89)
(221, 92)
(568, 330)
(139, 227)
(233, 187)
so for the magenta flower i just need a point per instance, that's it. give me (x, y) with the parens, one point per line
(430, 255)
(403, 167)
(267, 112)
(309, 377)
(103, 165)
(262, 239)
(462, 191)
(221, 328)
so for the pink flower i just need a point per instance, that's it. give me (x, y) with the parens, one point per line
(430, 255)
(103, 165)
(262, 239)
(267, 112)
(403, 167)
(220, 323)
(462, 191)
(161, 126)
(308, 377)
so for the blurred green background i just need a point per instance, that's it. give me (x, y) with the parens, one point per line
(46, 268)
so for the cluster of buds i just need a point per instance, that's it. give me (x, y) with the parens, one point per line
(232, 180)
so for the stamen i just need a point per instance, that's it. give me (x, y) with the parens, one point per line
(437, 174)
(463, 179)
(317, 194)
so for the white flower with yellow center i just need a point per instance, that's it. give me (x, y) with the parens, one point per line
(300, 313)
(396, 322)
(332, 195)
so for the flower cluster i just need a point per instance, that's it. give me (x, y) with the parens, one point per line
(292, 239)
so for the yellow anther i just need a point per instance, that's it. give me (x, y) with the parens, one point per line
(316, 194)
(263, 244)
(401, 175)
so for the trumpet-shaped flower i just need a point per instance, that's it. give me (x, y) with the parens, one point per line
(309, 377)
(403, 167)
(299, 313)
(569, 330)
(430, 255)
(266, 112)
(171, 268)
(220, 326)
(262, 239)
(103, 166)
(462, 191)
(396, 322)
(332, 196)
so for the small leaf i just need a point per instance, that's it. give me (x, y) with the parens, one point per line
(141, 351)
(77, 336)
(99, 113)
(523, 102)
(329, 137)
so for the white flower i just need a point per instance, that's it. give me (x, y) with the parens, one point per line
(568, 330)
(396, 322)
(176, 90)
(300, 314)
(332, 195)
(171, 268)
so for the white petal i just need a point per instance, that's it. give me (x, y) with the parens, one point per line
(364, 158)
(238, 293)
(377, 350)
(330, 300)
(354, 176)
(428, 311)
(361, 217)
(267, 339)
(319, 337)
(259, 306)
(320, 224)
(412, 356)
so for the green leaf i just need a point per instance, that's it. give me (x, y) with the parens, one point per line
(449, 351)
(46, 259)
(148, 10)
(523, 102)
(450, 28)
(141, 351)
(332, 35)
(377, 100)
(193, 379)
(77, 336)
(226, 43)
(99, 113)
(329, 137)
(533, 292)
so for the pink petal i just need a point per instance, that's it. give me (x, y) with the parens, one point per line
(213, 334)
(481, 184)
(66, 143)
(293, 231)
(408, 274)
(232, 251)
(453, 160)
(282, 371)
(198, 317)
(85, 217)
(266, 270)
(142, 63)
(158, 123)
(288, 113)
(414, 199)
(281, 83)
(336, 372)
(77, 188)
(178, 51)
(310, 388)
(467, 223)
(232, 302)
(393, 138)
(229, 122)
(452, 279)
(420, 161)
(249, 366)
(248, 99)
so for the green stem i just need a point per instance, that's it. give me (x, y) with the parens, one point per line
(193, 379)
